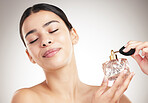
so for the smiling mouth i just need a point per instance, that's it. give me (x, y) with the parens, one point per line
(51, 52)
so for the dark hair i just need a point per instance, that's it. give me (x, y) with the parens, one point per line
(47, 7)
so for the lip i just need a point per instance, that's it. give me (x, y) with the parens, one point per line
(51, 52)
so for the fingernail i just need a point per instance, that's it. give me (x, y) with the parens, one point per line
(125, 71)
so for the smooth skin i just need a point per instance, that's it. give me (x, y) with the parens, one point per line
(62, 84)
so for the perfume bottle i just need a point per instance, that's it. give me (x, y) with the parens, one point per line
(115, 66)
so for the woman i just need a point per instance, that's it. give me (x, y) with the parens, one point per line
(49, 39)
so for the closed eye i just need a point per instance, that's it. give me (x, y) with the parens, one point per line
(54, 31)
(33, 41)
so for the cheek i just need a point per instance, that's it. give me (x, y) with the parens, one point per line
(65, 38)
(34, 52)
(67, 47)
(66, 41)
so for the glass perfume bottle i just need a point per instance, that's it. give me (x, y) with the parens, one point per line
(115, 66)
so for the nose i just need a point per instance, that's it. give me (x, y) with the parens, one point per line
(46, 41)
(45, 44)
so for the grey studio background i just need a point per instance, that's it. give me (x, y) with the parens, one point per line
(102, 25)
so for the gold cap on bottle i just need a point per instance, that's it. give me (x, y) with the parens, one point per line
(113, 56)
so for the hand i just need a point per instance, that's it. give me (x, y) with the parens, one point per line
(113, 94)
(142, 61)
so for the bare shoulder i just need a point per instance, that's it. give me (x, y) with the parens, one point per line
(25, 95)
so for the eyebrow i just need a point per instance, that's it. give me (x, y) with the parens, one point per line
(32, 31)
(46, 24)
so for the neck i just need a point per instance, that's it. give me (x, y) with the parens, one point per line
(64, 81)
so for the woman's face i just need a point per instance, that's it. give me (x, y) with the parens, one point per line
(48, 40)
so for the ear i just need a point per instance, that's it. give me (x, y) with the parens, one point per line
(74, 36)
(30, 57)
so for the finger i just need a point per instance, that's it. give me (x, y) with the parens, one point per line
(131, 46)
(143, 53)
(140, 47)
(132, 42)
(145, 50)
(117, 83)
(105, 81)
(138, 58)
(103, 86)
(123, 87)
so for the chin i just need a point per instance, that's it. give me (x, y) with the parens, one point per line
(53, 67)
(55, 64)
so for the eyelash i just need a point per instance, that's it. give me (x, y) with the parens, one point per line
(33, 41)
(37, 38)
(54, 31)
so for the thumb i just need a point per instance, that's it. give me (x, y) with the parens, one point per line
(103, 86)
(138, 58)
